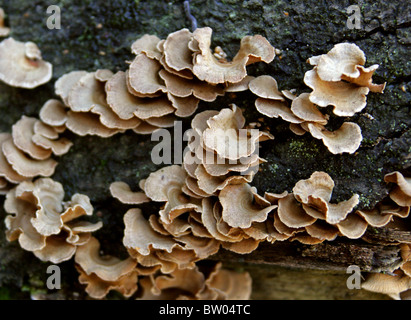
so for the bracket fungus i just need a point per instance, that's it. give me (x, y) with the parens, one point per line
(104, 273)
(43, 223)
(206, 203)
(21, 64)
(340, 80)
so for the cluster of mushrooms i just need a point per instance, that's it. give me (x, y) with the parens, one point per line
(208, 202)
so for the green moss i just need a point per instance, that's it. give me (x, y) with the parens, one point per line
(300, 149)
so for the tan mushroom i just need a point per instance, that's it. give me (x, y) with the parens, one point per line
(143, 76)
(224, 136)
(347, 98)
(177, 55)
(6, 170)
(53, 113)
(86, 93)
(347, 138)
(265, 87)
(127, 106)
(22, 133)
(104, 273)
(24, 165)
(208, 68)
(121, 191)
(36, 220)
(64, 84)
(401, 193)
(241, 207)
(392, 285)
(342, 60)
(21, 64)
(345, 62)
(147, 44)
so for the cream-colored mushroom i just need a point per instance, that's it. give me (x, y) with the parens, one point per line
(147, 44)
(121, 191)
(21, 64)
(24, 165)
(105, 273)
(127, 106)
(143, 75)
(401, 193)
(240, 209)
(391, 285)
(64, 84)
(208, 68)
(265, 87)
(36, 220)
(347, 138)
(347, 98)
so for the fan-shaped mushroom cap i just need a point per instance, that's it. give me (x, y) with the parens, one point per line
(183, 88)
(64, 84)
(177, 55)
(6, 170)
(209, 68)
(230, 285)
(240, 209)
(107, 268)
(382, 214)
(127, 106)
(147, 44)
(86, 123)
(121, 191)
(103, 75)
(58, 147)
(39, 225)
(86, 93)
(347, 98)
(342, 59)
(392, 285)
(265, 87)
(21, 64)
(179, 284)
(24, 165)
(224, 137)
(276, 108)
(143, 75)
(293, 215)
(401, 193)
(345, 139)
(352, 227)
(157, 184)
(22, 133)
(185, 107)
(139, 235)
(304, 109)
(98, 288)
(319, 185)
(53, 113)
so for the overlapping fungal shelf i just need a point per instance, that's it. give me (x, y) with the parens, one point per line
(205, 205)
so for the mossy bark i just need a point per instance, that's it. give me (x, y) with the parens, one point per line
(98, 34)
